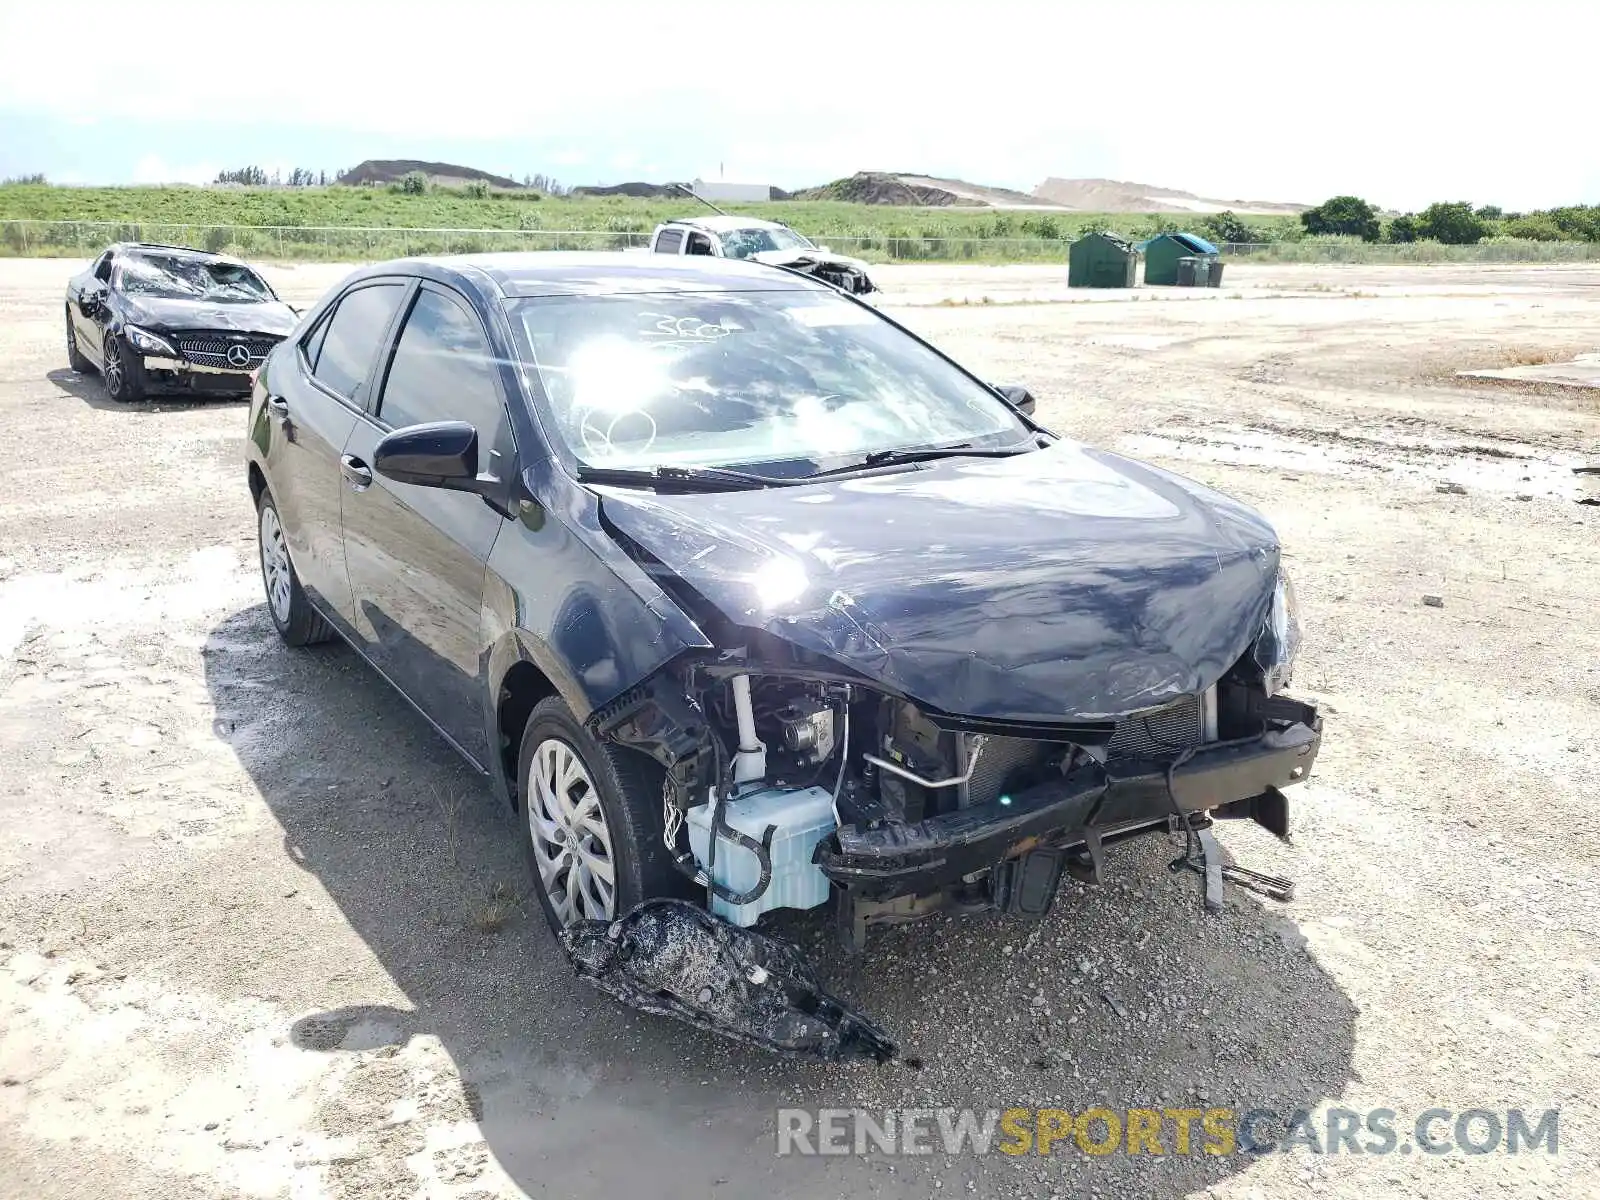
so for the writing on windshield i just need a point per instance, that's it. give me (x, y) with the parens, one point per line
(797, 380)
(178, 277)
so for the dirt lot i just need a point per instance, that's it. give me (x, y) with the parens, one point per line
(261, 935)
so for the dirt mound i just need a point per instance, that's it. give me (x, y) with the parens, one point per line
(881, 187)
(390, 170)
(1115, 195)
(977, 193)
(638, 189)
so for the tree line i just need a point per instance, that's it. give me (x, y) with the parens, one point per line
(1454, 223)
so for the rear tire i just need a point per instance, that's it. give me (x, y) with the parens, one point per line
(296, 621)
(602, 817)
(75, 358)
(123, 371)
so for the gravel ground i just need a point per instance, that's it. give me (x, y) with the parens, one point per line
(261, 935)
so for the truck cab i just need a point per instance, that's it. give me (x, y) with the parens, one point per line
(725, 236)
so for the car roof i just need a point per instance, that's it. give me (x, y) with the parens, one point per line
(726, 224)
(175, 252)
(580, 273)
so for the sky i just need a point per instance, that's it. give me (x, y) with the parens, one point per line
(1404, 102)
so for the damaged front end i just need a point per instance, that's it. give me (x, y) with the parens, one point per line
(891, 743)
(790, 783)
(847, 274)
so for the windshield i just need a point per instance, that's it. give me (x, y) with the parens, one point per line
(742, 243)
(791, 381)
(179, 277)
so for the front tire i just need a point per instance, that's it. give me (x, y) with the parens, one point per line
(590, 821)
(75, 358)
(296, 621)
(123, 371)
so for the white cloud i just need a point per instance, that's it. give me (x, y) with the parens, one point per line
(152, 168)
(1405, 102)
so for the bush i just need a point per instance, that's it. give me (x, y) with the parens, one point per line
(1540, 227)
(476, 189)
(1227, 226)
(1342, 216)
(1403, 229)
(1453, 224)
(1577, 222)
(413, 183)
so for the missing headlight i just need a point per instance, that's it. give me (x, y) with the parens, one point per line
(1279, 640)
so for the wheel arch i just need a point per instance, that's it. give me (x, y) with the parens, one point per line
(258, 483)
(523, 670)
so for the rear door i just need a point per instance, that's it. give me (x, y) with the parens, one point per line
(417, 555)
(314, 399)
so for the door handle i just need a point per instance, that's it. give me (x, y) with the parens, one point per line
(356, 473)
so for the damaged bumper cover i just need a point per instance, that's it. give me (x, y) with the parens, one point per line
(672, 958)
(1125, 797)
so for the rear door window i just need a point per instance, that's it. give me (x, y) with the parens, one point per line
(670, 241)
(443, 370)
(347, 349)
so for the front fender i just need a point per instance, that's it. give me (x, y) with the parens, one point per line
(563, 597)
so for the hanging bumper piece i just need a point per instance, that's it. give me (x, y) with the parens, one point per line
(673, 959)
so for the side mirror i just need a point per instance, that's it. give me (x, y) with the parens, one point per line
(92, 298)
(441, 454)
(1020, 398)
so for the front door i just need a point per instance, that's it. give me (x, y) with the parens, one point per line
(417, 555)
(314, 399)
(86, 329)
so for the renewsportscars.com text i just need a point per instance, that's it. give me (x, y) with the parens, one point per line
(1210, 1131)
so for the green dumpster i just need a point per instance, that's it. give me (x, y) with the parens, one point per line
(1102, 260)
(1163, 252)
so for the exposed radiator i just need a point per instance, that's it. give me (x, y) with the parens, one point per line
(1001, 756)
(1159, 731)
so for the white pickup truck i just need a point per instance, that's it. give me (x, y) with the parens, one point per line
(761, 241)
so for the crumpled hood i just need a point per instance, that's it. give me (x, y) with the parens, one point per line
(274, 317)
(1068, 583)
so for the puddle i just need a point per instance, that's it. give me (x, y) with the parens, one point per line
(1500, 468)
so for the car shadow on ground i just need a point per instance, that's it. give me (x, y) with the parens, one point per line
(91, 389)
(1147, 1003)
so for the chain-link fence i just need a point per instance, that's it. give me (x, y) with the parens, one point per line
(356, 243)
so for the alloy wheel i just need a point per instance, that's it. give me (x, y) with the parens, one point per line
(113, 367)
(275, 564)
(571, 840)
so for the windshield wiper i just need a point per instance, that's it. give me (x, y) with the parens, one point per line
(912, 454)
(708, 478)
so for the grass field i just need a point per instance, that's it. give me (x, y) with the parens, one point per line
(348, 223)
(277, 217)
